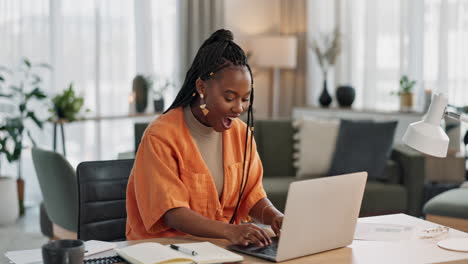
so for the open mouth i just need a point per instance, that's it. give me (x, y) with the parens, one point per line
(227, 122)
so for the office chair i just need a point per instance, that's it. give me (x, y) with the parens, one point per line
(102, 187)
(57, 180)
(139, 130)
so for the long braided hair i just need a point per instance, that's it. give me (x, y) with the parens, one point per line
(218, 52)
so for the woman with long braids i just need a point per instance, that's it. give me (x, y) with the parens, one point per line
(197, 170)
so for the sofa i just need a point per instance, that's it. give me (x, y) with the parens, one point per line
(401, 192)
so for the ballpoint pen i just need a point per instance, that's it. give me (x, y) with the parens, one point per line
(184, 250)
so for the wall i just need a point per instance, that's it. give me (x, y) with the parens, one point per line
(247, 18)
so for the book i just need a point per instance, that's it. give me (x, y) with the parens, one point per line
(155, 253)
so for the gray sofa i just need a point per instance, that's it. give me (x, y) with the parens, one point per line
(402, 192)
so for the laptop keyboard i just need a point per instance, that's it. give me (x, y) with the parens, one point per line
(269, 250)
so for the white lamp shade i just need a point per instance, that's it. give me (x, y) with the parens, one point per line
(274, 51)
(427, 136)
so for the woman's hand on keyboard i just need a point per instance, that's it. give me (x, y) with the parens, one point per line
(245, 234)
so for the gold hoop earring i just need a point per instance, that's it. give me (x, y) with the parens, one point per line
(203, 105)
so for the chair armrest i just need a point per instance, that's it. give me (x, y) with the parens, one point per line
(412, 167)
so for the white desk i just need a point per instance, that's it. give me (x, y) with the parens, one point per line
(414, 250)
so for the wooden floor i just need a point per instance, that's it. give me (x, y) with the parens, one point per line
(24, 234)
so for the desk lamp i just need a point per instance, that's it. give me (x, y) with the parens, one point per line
(428, 137)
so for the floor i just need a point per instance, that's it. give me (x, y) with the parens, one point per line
(24, 234)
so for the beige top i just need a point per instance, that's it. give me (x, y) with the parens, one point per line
(210, 145)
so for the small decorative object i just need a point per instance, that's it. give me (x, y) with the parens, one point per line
(160, 85)
(345, 95)
(406, 93)
(131, 103)
(327, 49)
(21, 86)
(140, 88)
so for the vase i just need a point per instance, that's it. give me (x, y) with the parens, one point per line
(9, 205)
(325, 98)
(158, 105)
(345, 95)
(140, 88)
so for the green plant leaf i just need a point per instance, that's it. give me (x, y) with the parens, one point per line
(31, 138)
(2, 79)
(36, 93)
(15, 88)
(6, 95)
(27, 62)
(44, 65)
(31, 115)
(22, 107)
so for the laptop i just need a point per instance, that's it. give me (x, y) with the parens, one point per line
(320, 215)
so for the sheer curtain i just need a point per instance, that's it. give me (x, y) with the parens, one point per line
(94, 45)
(382, 40)
(25, 32)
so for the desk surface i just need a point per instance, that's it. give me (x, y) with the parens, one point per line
(414, 250)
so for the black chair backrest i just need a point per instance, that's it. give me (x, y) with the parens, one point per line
(139, 130)
(102, 187)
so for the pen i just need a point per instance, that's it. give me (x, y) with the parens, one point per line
(184, 250)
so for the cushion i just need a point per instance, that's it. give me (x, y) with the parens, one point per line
(363, 146)
(453, 203)
(275, 146)
(314, 147)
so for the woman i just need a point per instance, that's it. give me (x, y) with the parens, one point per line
(197, 170)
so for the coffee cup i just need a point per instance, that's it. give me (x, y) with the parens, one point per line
(65, 251)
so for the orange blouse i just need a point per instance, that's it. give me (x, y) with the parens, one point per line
(169, 172)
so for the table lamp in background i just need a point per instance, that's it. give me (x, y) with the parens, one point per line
(427, 136)
(276, 52)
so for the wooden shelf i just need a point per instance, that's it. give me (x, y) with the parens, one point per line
(111, 117)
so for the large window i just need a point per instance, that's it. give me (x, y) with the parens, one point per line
(383, 40)
(97, 46)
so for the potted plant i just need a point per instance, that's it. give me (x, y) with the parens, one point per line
(406, 93)
(327, 48)
(67, 106)
(160, 85)
(21, 88)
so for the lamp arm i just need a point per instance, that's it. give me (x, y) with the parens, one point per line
(456, 116)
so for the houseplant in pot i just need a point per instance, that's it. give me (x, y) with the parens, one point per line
(21, 87)
(406, 93)
(67, 106)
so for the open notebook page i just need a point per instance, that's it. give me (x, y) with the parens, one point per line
(210, 253)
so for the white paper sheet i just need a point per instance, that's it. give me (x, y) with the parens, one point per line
(382, 232)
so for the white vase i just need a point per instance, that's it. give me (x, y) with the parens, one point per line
(9, 206)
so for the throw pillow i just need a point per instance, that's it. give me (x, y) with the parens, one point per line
(315, 143)
(363, 146)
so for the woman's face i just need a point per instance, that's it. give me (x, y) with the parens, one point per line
(226, 95)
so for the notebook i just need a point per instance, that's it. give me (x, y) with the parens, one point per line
(155, 253)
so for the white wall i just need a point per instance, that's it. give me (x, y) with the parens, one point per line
(246, 18)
